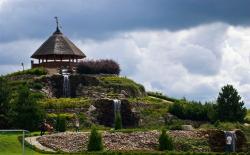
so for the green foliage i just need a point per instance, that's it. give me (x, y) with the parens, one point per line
(161, 96)
(95, 140)
(247, 118)
(27, 113)
(60, 123)
(5, 108)
(175, 124)
(62, 103)
(165, 141)
(118, 121)
(191, 144)
(37, 85)
(229, 105)
(153, 112)
(67, 116)
(124, 83)
(33, 71)
(193, 110)
(84, 120)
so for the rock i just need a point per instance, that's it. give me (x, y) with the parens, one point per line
(187, 127)
(241, 141)
(246, 124)
(217, 140)
(91, 108)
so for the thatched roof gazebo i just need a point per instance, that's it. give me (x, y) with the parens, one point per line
(57, 52)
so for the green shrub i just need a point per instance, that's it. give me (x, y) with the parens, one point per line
(175, 125)
(193, 110)
(118, 121)
(165, 141)
(33, 71)
(95, 140)
(60, 123)
(37, 85)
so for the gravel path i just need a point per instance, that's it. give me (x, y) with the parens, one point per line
(33, 141)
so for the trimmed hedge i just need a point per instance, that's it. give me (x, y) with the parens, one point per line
(98, 67)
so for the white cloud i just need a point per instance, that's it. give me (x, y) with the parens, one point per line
(194, 63)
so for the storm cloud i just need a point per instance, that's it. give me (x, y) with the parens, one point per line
(183, 48)
(101, 19)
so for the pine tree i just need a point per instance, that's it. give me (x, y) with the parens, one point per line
(95, 141)
(165, 141)
(27, 113)
(229, 105)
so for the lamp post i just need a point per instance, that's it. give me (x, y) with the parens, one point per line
(22, 65)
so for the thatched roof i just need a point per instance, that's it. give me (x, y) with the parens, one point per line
(58, 46)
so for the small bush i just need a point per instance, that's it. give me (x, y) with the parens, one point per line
(98, 67)
(165, 141)
(60, 123)
(95, 141)
(118, 121)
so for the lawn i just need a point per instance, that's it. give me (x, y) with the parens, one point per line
(9, 145)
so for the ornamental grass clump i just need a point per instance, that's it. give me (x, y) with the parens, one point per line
(95, 141)
(165, 141)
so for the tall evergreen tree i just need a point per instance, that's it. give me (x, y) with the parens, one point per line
(229, 105)
(5, 107)
(28, 114)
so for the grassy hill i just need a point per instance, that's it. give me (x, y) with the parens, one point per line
(152, 109)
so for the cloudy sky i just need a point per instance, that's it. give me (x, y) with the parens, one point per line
(183, 48)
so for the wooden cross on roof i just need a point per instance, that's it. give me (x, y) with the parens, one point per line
(57, 22)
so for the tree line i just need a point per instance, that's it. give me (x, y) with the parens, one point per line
(228, 108)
